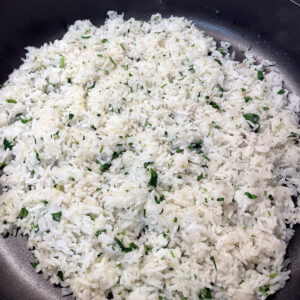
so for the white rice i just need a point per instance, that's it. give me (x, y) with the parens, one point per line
(218, 221)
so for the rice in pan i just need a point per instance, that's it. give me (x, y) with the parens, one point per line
(144, 162)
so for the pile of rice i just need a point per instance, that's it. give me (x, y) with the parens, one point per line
(144, 162)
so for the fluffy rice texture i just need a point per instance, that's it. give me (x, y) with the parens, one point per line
(142, 160)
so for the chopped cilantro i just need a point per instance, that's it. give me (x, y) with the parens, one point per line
(147, 163)
(105, 167)
(214, 105)
(104, 41)
(250, 196)
(60, 275)
(191, 69)
(24, 121)
(264, 290)
(260, 75)
(147, 249)
(253, 118)
(196, 146)
(11, 101)
(7, 144)
(123, 248)
(98, 232)
(160, 199)
(62, 62)
(200, 177)
(56, 216)
(37, 156)
(178, 150)
(153, 179)
(23, 213)
(280, 92)
(218, 61)
(214, 262)
(222, 51)
(113, 62)
(205, 294)
(206, 157)
(34, 264)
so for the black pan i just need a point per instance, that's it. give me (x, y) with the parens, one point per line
(271, 27)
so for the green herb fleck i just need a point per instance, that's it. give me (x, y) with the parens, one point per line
(104, 41)
(62, 62)
(196, 146)
(123, 248)
(60, 275)
(250, 196)
(218, 61)
(7, 144)
(153, 179)
(205, 294)
(260, 75)
(11, 101)
(147, 249)
(200, 177)
(273, 275)
(178, 150)
(206, 157)
(222, 51)
(56, 216)
(160, 199)
(113, 62)
(253, 118)
(34, 264)
(214, 105)
(214, 262)
(24, 121)
(23, 213)
(37, 156)
(98, 232)
(265, 289)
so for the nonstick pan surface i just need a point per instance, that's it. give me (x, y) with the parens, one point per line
(270, 27)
